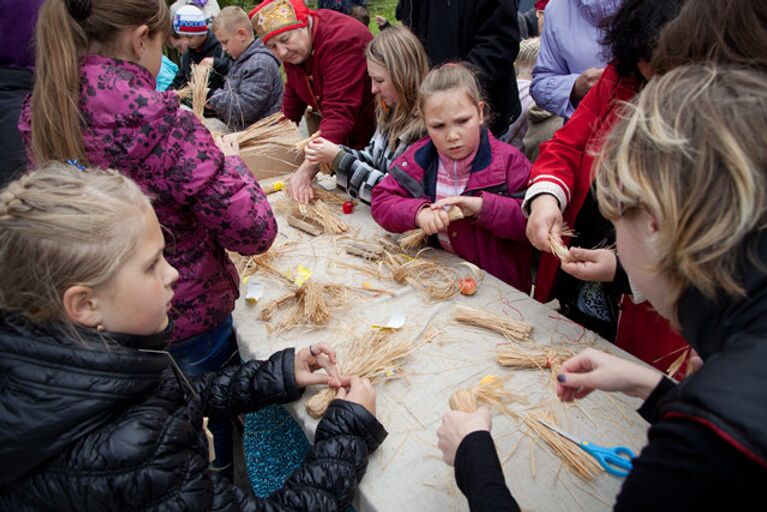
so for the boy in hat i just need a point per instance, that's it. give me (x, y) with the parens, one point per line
(190, 23)
(253, 86)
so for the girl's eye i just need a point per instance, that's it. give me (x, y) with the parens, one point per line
(437, 126)
(462, 120)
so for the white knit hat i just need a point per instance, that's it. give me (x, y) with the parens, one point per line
(190, 21)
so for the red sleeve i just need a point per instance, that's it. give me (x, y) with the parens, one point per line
(344, 75)
(560, 158)
(393, 208)
(293, 107)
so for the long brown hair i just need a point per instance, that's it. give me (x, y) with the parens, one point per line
(400, 52)
(61, 42)
(718, 32)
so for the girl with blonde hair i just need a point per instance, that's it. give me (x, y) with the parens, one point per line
(682, 178)
(397, 64)
(96, 416)
(94, 101)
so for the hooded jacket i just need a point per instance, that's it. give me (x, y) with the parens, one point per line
(207, 202)
(96, 425)
(210, 48)
(495, 240)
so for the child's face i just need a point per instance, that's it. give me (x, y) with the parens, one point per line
(194, 42)
(234, 42)
(381, 83)
(137, 299)
(453, 121)
(179, 43)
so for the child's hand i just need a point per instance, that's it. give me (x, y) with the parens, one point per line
(320, 151)
(360, 391)
(591, 264)
(469, 205)
(545, 218)
(456, 425)
(228, 144)
(207, 62)
(312, 358)
(432, 221)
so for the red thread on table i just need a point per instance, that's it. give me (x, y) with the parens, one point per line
(558, 318)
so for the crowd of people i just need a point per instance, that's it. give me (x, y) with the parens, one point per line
(635, 122)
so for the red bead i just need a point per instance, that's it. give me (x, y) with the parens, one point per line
(348, 206)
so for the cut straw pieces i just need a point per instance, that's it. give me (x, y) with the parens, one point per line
(558, 248)
(376, 355)
(576, 459)
(512, 330)
(545, 358)
(273, 132)
(316, 214)
(311, 305)
(415, 238)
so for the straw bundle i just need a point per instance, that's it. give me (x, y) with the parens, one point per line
(376, 355)
(551, 357)
(576, 459)
(318, 213)
(311, 305)
(512, 330)
(490, 391)
(438, 281)
(184, 93)
(558, 248)
(415, 238)
(273, 131)
(199, 85)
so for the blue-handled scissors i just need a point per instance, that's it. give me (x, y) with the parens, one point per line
(616, 461)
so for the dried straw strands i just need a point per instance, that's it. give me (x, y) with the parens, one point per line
(274, 131)
(558, 248)
(311, 305)
(576, 459)
(549, 357)
(415, 238)
(490, 391)
(320, 215)
(376, 355)
(199, 85)
(512, 330)
(438, 281)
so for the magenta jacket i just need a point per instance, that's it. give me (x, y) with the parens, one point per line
(495, 240)
(208, 203)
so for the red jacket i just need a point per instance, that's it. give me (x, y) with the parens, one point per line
(340, 85)
(564, 169)
(495, 240)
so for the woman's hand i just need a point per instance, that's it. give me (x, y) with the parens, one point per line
(360, 391)
(228, 144)
(456, 425)
(591, 264)
(320, 151)
(312, 358)
(469, 205)
(300, 185)
(545, 218)
(431, 220)
(593, 369)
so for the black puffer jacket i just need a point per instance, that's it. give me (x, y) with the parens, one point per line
(99, 426)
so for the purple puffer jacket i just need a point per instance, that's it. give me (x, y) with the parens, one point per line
(495, 240)
(208, 203)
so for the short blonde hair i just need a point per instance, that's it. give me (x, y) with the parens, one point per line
(529, 49)
(61, 227)
(231, 18)
(689, 151)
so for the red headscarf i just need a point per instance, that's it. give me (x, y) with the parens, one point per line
(273, 17)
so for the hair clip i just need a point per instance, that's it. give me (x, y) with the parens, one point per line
(75, 163)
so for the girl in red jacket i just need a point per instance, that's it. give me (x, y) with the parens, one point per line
(460, 164)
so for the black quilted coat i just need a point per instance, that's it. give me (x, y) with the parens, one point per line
(95, 425)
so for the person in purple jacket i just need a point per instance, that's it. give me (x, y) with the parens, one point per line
(571, 59)
(94, 101)
(460, 164)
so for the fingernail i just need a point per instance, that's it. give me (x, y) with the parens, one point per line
(561, 377)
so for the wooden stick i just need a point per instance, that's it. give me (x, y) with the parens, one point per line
(305, 225)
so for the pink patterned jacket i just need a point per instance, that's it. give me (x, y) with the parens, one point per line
(207, 202)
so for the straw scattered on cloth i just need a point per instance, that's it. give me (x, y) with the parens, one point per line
(490, 391)
(377, 355)
(440, 282)
(512, 330)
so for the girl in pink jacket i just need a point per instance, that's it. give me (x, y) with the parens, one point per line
(460, 164)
